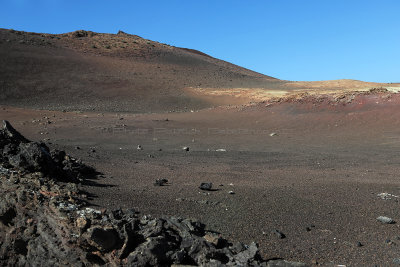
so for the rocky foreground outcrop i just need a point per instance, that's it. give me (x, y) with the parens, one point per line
(45, 220)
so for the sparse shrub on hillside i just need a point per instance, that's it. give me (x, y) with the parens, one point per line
(108, 46)
(79, 34)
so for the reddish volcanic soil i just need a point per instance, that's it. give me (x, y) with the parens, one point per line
(323, 170)
(305, 158)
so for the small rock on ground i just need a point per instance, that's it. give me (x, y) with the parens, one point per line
(206, 186)
(384, 219)
(161, 182)
(278, 233)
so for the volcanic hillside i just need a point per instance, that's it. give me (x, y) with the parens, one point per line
(84, 70)
(115, 72)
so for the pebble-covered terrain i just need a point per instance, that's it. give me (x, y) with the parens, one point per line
(45, 221)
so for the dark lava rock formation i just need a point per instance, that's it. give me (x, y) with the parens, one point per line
(19, 153)
(45, 220)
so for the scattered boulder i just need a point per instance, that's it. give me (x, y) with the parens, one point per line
(386, 220)
(389, 242)
(161, 182)
(279, 234)
(309, 228)
(386, 196)
(206, 186)
(185, 148)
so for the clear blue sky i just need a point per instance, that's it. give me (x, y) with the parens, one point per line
(287, 39)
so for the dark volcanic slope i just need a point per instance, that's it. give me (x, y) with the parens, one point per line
(116, 72)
